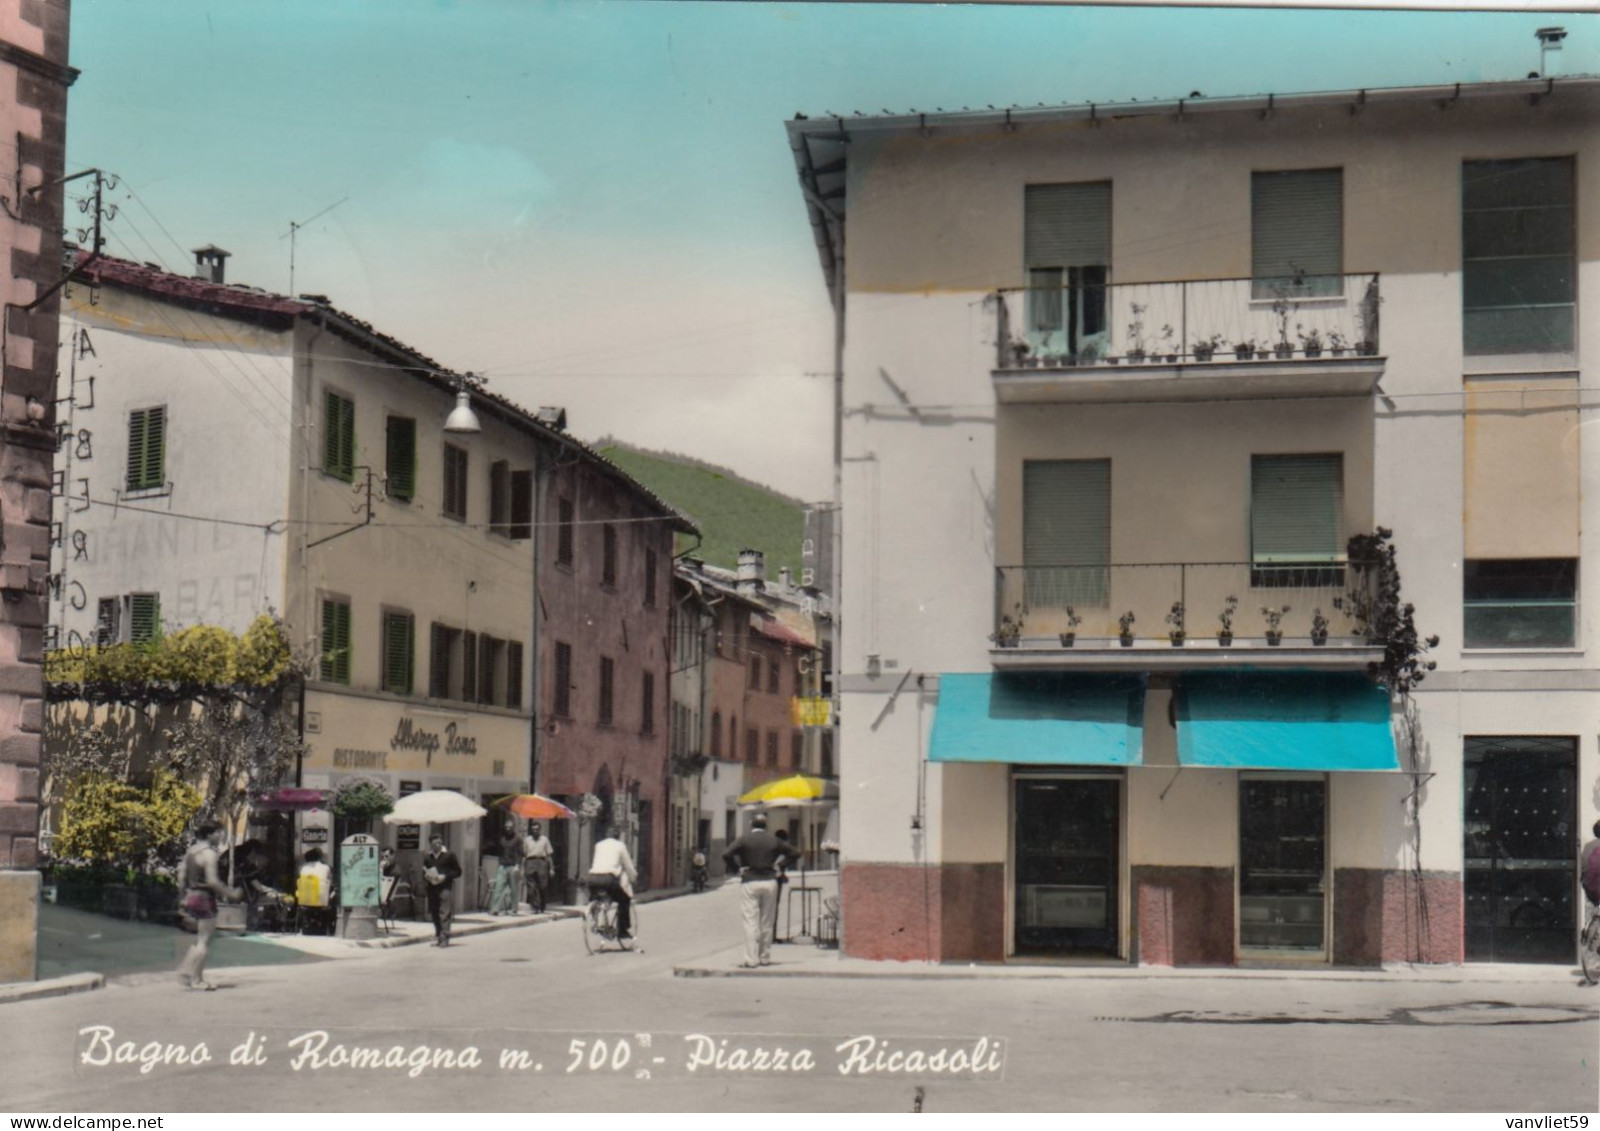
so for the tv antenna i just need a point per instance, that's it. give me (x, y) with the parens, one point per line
(295, 226)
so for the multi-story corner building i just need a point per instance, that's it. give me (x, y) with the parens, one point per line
(34, 77)
(235, 452)
(1118, 378)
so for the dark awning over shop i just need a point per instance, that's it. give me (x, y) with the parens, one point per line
(1039, 718)
(1316, 721)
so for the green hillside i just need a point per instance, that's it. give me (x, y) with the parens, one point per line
(732, 513)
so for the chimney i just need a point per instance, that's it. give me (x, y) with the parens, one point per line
(209, 263)
(752, 572)
(785, 579)
(555, 418)
(1550, 44)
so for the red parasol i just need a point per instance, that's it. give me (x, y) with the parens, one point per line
(535, 806)
(291, 800)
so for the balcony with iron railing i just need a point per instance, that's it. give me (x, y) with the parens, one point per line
(1069, 337)
(1165, 616)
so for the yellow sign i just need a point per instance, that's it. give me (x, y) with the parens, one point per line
(810, 712)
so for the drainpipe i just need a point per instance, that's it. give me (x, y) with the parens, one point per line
(534, 644)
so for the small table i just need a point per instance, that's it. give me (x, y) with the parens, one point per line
(806, 894)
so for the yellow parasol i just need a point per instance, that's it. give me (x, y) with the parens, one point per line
(798, 790)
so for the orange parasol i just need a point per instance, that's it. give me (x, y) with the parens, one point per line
(535, 806)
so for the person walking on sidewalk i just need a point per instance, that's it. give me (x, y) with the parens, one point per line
(440, 869)
(202, 887)
(536, 854)
(504, 898)
(758, 856)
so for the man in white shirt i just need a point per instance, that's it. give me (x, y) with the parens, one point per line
(611, 869)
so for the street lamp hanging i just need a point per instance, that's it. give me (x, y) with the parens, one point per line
(462, 418)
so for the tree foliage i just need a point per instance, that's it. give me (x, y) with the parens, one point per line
(107, 821)
(200, 661)
(1387, 619)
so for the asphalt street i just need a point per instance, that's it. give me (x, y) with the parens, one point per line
(526, 1020)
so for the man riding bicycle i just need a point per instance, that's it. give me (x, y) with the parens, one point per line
(1590, 868)
(611, 871)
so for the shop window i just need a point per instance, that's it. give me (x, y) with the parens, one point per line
(1282, 864)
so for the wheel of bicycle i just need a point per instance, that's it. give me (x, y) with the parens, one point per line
(1590, 949)
(591, 940)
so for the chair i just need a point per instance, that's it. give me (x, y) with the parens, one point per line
(828, 926)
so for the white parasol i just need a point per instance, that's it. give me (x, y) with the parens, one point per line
(433, 806)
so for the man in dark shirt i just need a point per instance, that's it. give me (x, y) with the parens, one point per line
(758, 856)
(440, 869)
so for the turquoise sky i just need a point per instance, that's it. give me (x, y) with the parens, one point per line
(594, 203)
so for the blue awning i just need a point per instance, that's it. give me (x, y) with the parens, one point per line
(1284, 721)
(1039, 718)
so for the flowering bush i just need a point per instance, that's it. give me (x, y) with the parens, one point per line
(361, 799)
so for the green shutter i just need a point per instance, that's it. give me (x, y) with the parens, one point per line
(147, 443)
(339, 436)
(1066, 531)
(401, 457)
(335, 642)
(1296, 508)
(1297, 231)
(144, 618)
(398, 650)
(469, 667)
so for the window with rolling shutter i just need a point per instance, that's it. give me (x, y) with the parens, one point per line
(1296, 520)
(147, 448)
(338, 436)
(455, 483)
(1067, 253)
(1518, 267)
(561, 697)
(500, 498)
(335, 641)
(469, 667)
(1066, 532)
(398, 650)
(1297, 233)
(144, 618)
(514, 674)
(400, 458)
(521, 506)
(607, 674)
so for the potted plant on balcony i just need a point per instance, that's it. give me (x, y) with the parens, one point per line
(1175, 619)
(1070, 637)
(1280, 311)
(1336, 343)
(1009, 634)
(1206, 348)
(1166, 345)
(1089, 353)
(1319, 628)
(1019, 353)
(1310, 340)
(1225, 633)
(1125, 629)
(1274, 615)
(1136, 334)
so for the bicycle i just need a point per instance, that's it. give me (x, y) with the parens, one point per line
(600, 926)
(1589, 946)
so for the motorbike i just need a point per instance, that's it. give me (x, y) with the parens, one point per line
(700, 877)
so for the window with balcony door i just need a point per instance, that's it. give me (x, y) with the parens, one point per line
(1296, 521)
(1518, 269)
(1067, 255)
(1297, 234)
(1066, 534)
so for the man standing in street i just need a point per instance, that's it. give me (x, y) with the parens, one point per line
(536, 853)
(508, 876)
(440, 869)
(758, 856)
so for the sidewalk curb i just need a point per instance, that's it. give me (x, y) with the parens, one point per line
(51, 987)
(466, 930)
